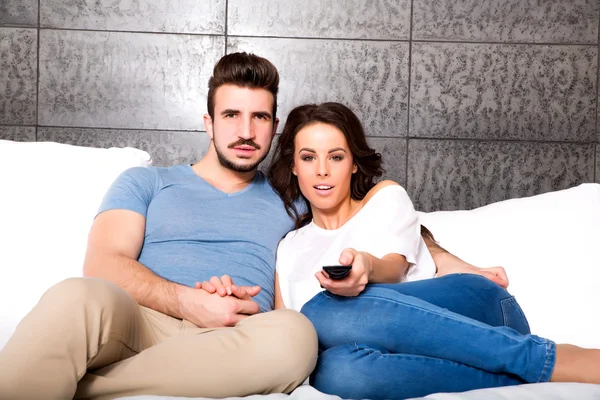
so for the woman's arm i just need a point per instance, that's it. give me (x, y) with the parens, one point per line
(278, 298)
(390, 268)
(447, 263)
(366, 268)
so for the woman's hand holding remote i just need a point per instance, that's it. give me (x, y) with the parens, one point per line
(357, 279)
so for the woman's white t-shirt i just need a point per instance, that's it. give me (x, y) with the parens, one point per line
(386, 224)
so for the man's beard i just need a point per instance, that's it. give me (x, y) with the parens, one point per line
(231, 165)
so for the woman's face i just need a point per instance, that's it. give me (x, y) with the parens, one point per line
(323, 164)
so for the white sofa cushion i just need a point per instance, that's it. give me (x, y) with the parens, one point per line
(537, 391)
(52, 191)
(50, 194)
(548, 244)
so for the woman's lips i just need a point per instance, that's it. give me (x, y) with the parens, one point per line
(323, 190)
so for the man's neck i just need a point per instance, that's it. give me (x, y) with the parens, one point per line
(222, 178)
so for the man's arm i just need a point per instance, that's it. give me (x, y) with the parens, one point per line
(434, 248)
(447, 263)
(114, 244)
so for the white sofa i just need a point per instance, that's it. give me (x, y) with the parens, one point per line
(547, 243)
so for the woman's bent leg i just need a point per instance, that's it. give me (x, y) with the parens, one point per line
(404, 324)
(358, 371)
(473, 296)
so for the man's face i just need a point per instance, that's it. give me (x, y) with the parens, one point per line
(243, 126)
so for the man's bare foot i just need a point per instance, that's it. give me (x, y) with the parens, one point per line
(576, 364)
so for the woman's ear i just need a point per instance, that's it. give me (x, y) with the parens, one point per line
(354, 169)
(294, 169)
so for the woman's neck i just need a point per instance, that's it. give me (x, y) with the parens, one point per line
(335, 217)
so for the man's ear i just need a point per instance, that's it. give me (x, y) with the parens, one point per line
(208, 125)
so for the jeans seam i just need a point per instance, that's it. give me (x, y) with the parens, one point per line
(550, 357)
(367, 349)
(512, 300)
(504, 316)
(325, 293)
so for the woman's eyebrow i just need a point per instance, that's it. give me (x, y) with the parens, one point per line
(308, 149)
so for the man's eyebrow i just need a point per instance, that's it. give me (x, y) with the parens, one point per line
(230, 111)
(264, 114)
(330, 151)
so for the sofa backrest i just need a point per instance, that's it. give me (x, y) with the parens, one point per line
(48, 198)
(548, 245)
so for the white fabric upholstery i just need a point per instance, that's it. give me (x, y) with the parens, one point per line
(50, 193)
(538, 391)
(547, 243)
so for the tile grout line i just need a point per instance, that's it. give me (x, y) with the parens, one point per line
(410, 72)
(597, 98)
(37, 89)
(357, 39)
(420, 138)
(226, 33)
(103, 128)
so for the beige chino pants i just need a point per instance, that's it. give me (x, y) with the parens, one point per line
(88, 339)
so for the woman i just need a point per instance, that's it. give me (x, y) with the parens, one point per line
(380, 338)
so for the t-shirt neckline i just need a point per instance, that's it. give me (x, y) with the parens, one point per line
(324, 231)
(217, 190)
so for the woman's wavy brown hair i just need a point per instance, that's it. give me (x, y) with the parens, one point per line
(338, 115)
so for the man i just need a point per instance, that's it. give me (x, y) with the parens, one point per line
(136, 324)
(143, 328)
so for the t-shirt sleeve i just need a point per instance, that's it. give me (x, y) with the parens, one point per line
(280, 257)
(133, 190)
(282, 268)
(392, 224)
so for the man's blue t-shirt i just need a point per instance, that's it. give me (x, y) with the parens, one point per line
(195, 231)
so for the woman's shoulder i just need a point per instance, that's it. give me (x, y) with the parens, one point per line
(296, 236)
(387, 190)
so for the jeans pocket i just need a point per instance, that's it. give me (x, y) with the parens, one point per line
(514, 317)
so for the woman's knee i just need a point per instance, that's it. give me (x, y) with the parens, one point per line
(474, 281)
(490, 302)
(331, 316)
(314, 307)
(340, 370)
(477, 287)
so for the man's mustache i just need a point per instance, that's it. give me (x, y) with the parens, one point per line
(244, 142)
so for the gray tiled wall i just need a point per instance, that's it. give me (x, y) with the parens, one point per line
(469, 102)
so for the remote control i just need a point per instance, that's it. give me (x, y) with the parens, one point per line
(337, 271)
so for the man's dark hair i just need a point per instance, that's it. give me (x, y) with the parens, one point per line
(244, 70)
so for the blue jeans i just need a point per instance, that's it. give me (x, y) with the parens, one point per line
(449, 334)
